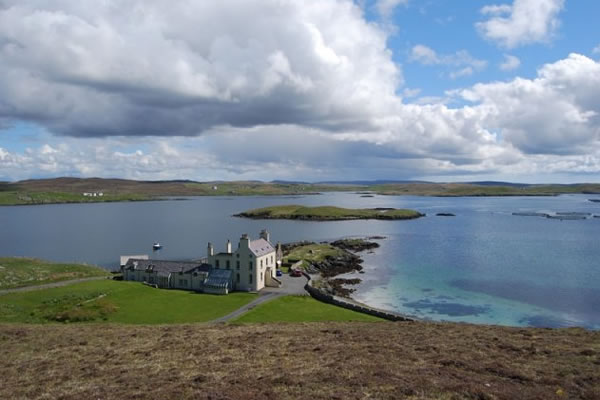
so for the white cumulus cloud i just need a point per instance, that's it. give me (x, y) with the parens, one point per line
(385, 8)
(246, 89)
(558, 112)
(462, 59)
(510, 63)
(523, 22)
(156, 68)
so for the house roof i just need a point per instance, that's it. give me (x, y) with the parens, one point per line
(219, 278)
(162, 266)
(125, 258)
(260, 247)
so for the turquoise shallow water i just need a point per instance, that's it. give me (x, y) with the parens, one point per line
(485, 265)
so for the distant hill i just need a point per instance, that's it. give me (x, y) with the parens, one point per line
(499, 183)
(72, 190)
(370, 182)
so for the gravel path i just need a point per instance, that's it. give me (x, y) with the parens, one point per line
(291, 286)
(49, 285)
(261, 299)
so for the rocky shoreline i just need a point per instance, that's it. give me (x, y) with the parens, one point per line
(345, 262)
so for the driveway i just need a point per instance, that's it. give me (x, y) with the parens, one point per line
(289, 286)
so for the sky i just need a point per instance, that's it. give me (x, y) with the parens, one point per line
(441, 90)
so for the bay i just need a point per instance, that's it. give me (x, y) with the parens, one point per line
(484, 265)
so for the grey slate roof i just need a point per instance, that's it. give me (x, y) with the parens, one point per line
(161, 266)
(260, 247)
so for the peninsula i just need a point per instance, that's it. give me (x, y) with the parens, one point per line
(328, 213)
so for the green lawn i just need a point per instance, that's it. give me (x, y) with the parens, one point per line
(301, 309)
(119, 302)
(328, 213)
(312, 253)
(21, 271)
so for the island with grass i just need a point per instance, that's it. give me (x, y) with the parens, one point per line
(328, 213)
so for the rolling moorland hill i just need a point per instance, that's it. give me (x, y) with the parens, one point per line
(70, 190)
(334, 360)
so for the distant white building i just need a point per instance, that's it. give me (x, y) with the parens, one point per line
(251, 267)
(93, 194)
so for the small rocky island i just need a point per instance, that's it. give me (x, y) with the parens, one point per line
(328, 213)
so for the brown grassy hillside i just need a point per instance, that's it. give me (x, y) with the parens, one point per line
(305, 361)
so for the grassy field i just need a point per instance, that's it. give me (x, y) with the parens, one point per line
(327, 213)
(301, 309)
(70, 190)
(465, 189)
(314, 361)
(8, 198)
(19, 271)
(311, 253)
(116, 301)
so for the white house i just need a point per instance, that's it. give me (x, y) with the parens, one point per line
(254, 263)
(251, 267)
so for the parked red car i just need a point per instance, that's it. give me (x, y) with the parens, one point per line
(296, 273)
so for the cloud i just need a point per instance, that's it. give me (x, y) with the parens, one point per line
(462, 59)
(385, 8)
(510, 63)
(523, 22)
(101, 70)
(557, 113)
(269, 89)
(424, 55)
(467, 71)
(407, 92)
(596, 50)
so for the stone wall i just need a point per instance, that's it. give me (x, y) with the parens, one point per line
(351, 305)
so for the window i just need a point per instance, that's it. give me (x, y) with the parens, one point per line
(261, 276)
(250, 266)
(237, 255)
(216, 263)
(271, 259)
(261, 263)
(237, 265)
(238, 278)
(250, 278)
(228, 264)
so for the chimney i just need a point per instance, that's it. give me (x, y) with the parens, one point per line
(228, 247)
(244, 242)
(264, 234)
(210, 250)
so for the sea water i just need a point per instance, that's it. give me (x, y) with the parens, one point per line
(485, 265)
